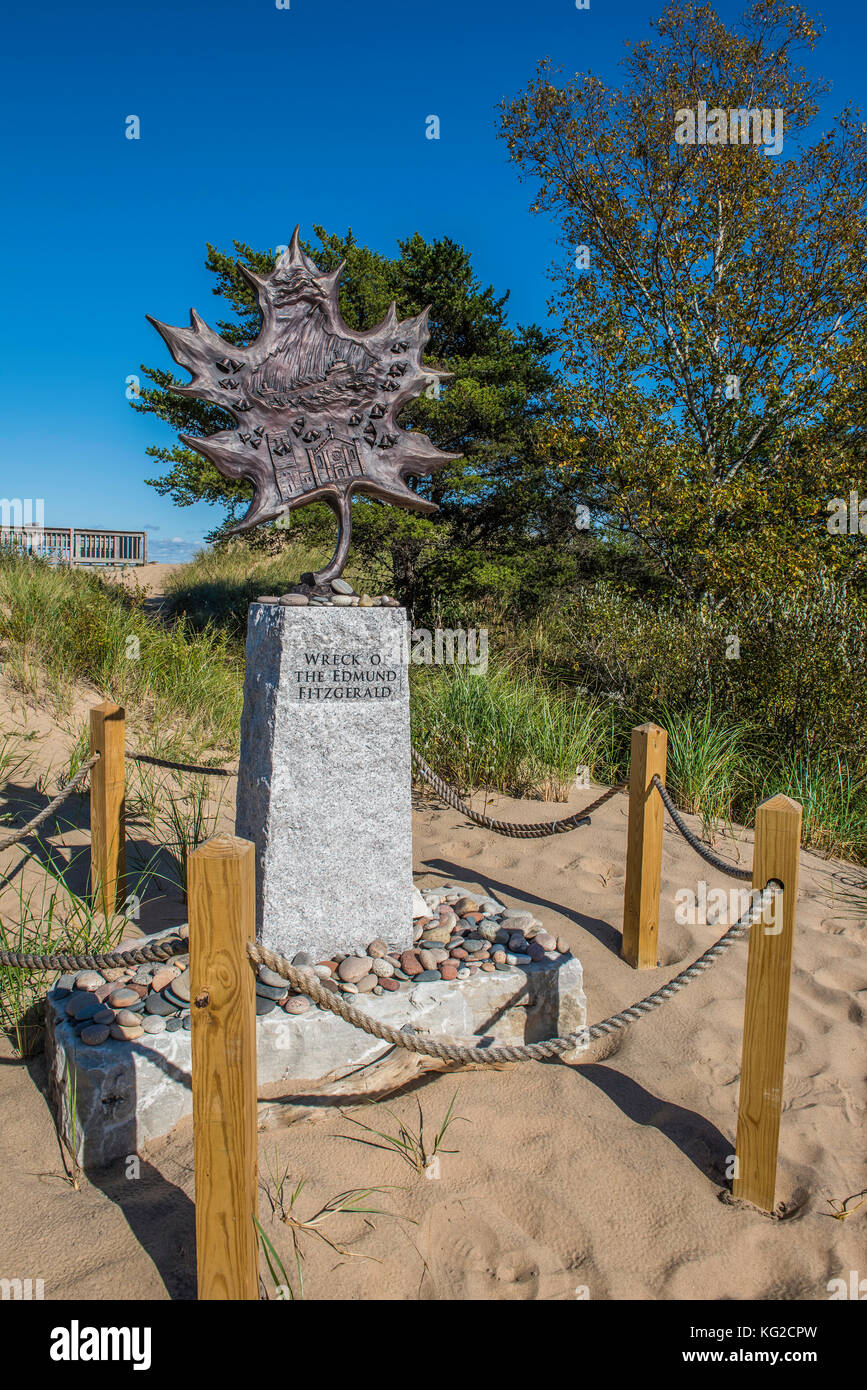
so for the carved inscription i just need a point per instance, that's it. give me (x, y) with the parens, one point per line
(347, 677)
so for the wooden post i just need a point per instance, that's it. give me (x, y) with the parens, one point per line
(766, 1010)
(221, 892)
(107, 808)
(643, 848)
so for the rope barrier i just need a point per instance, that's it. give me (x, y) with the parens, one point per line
(692, 839)
(531, 831)
(52, 806)
(449, 1049)
(158, 953)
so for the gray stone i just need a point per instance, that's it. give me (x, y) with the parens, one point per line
(293, 600)
(154, 1024)
(272, 991)
(89, 980)
(425, 977)
(342, 586)
(127, 1095)
(157, 1004)
(270, 977)
(324, 784)
(263, 1006)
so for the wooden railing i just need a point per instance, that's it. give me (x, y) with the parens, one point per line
(65, 545)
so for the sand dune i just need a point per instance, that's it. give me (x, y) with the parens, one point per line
(602, 1180)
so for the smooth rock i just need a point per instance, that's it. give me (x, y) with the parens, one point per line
(94, 1034)
(389, 984)
(127, 1019)
(463, 973)
(382, 968)
(377, 949)
(562, 946)
(546, 941)
(154, 1024)
(449, 971)
(410, 963)
(426, 977)
(295, 600)
(498, 957)
(277, 992)
(88, 1009)
(302, 958)
(163, 977)
(419, 904)
(89, 980)
(353, 969)
(158, 1004)
(79, 1000)
(366, 984)
(342, 586)
(126, 1034)
(427, 960)
(298, 1004)
(173, 1024)
(439, 935)
(264, 1006)
(342, 601)
(182, 985)
(466, 905)
(270, 977)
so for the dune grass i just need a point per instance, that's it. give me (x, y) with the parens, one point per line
(788, 716)
(60, 626)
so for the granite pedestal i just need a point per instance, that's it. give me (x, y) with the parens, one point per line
(324, 781)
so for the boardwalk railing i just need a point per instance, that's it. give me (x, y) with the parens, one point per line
(64, 545)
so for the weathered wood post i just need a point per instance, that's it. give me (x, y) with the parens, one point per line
(766, 1009)
(107, 808)
(643, 848)
(222, 910)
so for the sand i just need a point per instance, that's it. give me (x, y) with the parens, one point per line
(602, 1180)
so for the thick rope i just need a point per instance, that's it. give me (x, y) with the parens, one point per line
(52, 806)
(306, 982)
(504, 827)
(692, 839)
(159, 952)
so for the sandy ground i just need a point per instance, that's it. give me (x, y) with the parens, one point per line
(604, 1177)
(143, 576)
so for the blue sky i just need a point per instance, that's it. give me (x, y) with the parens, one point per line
(252, 118)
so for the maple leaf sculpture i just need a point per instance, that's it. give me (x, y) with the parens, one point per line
(315, 402)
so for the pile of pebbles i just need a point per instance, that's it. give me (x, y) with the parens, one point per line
(342, 595)
(457, 937)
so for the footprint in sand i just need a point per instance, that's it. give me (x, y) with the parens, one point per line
(468, 1259)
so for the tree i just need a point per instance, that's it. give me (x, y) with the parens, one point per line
(714, 346)
(504, 510)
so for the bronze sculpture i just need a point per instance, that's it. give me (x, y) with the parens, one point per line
(314, 401)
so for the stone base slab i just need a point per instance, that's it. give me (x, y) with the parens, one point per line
(127, 1093)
